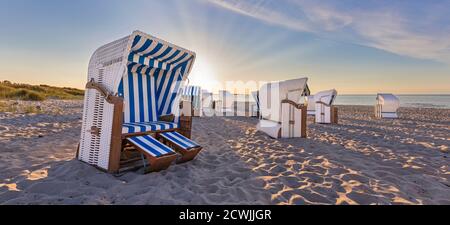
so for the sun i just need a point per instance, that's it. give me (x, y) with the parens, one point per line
(203, 74)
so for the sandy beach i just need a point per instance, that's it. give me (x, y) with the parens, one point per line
(362, 160)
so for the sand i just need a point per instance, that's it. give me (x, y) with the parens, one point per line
(360, 161)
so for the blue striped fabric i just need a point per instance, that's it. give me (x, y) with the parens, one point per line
(172, 63)
(129, 128)
(150, 145)
(139, 93)
(191, 91)
(157, 55)
(152, 82)
(180, 140)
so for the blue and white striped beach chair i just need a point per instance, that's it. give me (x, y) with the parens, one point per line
(185, 146)
(133, 91)
(158, 155)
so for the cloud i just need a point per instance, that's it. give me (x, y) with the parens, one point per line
(411, 28)
(264, 10)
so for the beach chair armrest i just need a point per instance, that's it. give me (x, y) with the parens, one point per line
(323, 103)
(109, 97)
(167, 118)
(296, 105)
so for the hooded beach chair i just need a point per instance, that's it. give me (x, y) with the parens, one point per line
(281, 113)
(387, 106)
(255, 107)
(194, 95)
(311, 105)
(325, 111)
(132, 95)
(207, 103)
(224, 104)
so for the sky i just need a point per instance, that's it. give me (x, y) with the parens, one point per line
(356, 47)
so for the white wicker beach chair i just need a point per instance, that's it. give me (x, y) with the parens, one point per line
(325, 111)
(255, 108)
(311, 105)
(133, 90)
(387, 106)
(207, 103)
(224, 104)
(281, 113)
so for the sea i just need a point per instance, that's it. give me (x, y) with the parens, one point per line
(416, 101)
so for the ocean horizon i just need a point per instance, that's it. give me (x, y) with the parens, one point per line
(406, 100)
(438, 101)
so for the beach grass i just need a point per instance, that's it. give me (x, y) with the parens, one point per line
(17, 91)
(14, 107)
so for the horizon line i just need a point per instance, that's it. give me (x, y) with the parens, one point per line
(348, 94)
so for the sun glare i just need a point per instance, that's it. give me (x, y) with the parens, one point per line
(204, 75)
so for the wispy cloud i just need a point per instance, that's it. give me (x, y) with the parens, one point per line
(419, 29)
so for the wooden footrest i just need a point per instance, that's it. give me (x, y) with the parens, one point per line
(158, 155)
(185, 146)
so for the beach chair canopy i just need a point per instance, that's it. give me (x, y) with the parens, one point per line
(206, 94)
(271, 94)
(193, 94)
(192, 91)
(389, 102)
(155, 70)
(326, 97)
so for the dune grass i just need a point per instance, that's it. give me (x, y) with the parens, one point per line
(41, 92)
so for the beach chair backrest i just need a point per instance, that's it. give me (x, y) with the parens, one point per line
(138, 88)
